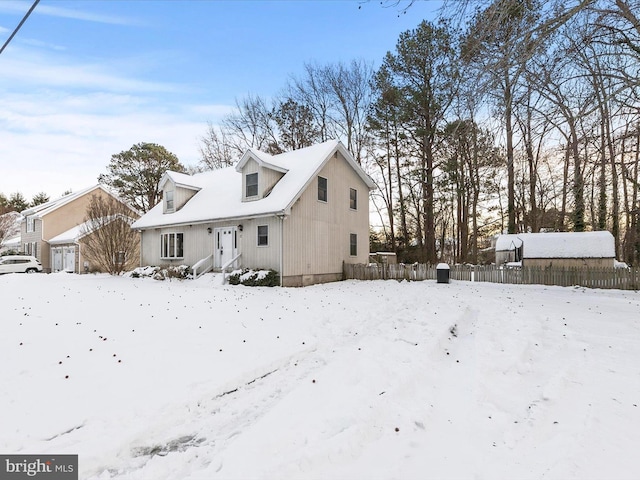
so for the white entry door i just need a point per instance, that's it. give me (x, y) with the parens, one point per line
(226, 245)
(56, 260)
(69, 260)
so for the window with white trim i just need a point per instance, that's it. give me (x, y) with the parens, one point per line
(251, 184)
(168, 198)
(171, 245)
(322, 189)
(353, 199)
(263, 235)
(31, 224)
(353, 244)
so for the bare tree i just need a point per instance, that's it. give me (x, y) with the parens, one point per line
(251, 126)
(215, 149)
(9, 225)
(108, 240)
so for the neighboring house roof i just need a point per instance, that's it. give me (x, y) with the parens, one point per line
(45, 208)
(11, 243)
(560, 244)
(220, 194)
(76, 233)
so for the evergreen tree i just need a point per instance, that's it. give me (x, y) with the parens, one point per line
(39, 198)
(135, 173)
(17, 202)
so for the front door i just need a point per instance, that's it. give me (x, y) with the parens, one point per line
(69, 260)
(56, 261)
(226, 245)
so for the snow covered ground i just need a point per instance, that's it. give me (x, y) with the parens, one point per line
(186, 380)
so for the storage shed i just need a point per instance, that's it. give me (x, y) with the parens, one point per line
(557, 249)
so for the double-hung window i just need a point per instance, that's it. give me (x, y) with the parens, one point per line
(31, 223)
(263, 235)
(353, 199)
(353, 244)
(251, 185)
(171, 245)
(322, 189)
(168, 197)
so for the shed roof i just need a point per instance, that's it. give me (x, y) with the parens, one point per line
(76, 233)
(560, 244)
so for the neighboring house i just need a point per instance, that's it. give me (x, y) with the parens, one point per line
(558, 249)
(68, 249)
(51, 231)
(302, 213)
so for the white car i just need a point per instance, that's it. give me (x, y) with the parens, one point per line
(19, 264)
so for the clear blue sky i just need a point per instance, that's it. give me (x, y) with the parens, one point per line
(83, 80)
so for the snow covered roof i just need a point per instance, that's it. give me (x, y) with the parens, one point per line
(11, 242)
(220, 194)
(180, 179)
(76, 233)
(70, 236)
(51, 205)
(560, 244)
(48, 207)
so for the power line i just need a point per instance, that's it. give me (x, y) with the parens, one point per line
(19, 25)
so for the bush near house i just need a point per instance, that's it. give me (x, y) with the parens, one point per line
(161, 273)
(254, 278)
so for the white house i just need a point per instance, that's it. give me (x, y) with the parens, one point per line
(557, 249)
(302, 213)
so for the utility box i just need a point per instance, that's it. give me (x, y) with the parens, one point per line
(442, 273)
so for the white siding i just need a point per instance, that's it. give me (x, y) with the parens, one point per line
(267, 178)
(254, 256)
(317, 233)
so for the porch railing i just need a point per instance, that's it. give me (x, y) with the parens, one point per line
(230, 264)
(202, 266)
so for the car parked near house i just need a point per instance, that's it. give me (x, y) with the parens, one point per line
(19, 264)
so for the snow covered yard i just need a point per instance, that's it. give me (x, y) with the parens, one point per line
(195, 380)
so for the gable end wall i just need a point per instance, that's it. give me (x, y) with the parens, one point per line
(317, 234)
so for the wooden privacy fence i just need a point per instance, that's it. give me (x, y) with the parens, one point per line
(620, 278)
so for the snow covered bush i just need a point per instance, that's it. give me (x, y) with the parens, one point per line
(161, 273)
(254, 278)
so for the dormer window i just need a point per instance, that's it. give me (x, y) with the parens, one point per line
(168, 197)
(251, 185)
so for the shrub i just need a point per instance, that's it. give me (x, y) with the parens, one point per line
(254, 278)
(161, 273)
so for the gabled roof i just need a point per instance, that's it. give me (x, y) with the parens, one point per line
(560, 244)
(45, 208)
(180, 180)
(263, 159)
(220, 196)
